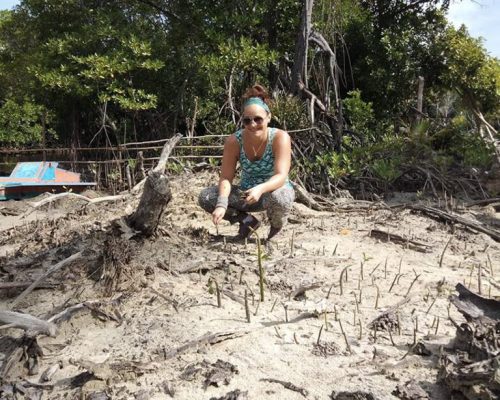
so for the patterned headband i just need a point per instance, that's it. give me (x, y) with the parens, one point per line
(258, 101)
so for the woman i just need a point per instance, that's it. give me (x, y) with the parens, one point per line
(264, 155)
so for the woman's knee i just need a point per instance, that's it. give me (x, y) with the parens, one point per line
(281, 198)
(208, 198)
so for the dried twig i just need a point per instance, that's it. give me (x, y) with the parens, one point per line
(287, 385)
(49, 272)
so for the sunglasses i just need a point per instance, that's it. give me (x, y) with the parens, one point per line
(249, 120)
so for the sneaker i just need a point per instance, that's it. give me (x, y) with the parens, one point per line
(247, 226)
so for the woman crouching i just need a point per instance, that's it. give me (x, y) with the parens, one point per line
(264, 155)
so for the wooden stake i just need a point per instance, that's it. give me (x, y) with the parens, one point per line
(259, 262)
(479, 285)
(275, 300)
(390, 337)
(393, 282)
(442, 254)
(345, 337)
(433, 301)
(256, 309)
(344, 271)
(409, 289)
(319, 335)
(217, 291)
(329, 291)
(491, 265)
(247, 308)
(374, 269)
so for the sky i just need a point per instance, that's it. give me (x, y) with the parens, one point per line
(481, 17)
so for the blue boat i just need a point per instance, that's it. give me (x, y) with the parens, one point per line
(29, 179)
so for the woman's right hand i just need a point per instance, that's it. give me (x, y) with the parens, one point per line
(218, 214)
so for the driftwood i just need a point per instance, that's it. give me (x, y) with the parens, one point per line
(155, 196)
(475, 307)
(358, 395)
(233, 395)
(233, 296)
(23, 357)
(302, 196)
(304, 288)
(476, 381)
(67, 313)
(476, 340)
(388, 237)
(49, 372)
(19, 285)
(28, 322)
(87, 200)
(411, 390)
(49, 272)
(209, 338)
(443, 215)
(287, 385)
(484, 202)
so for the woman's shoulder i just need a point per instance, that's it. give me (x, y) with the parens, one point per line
(232, 140)
(281, 135)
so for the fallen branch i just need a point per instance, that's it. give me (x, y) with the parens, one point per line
(49, 272)
(302, 196)
(443, 215)
(484, 202)
(67, 313)
(27, 322)
(387, 236)
(287, 385)
(209, 338)
(233, 296)
(473, 306)
(87, 200)
(302, 289)
(18, 285)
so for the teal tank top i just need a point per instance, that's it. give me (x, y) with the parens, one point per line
(254, 173)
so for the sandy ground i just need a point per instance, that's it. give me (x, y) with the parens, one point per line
(128, 341)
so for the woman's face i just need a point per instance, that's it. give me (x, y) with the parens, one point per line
(255, 119)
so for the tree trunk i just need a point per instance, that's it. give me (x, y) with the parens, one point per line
(299, 71)
(155, 196)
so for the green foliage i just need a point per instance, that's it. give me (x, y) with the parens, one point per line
(337, 166)
(359, 113)
(142, 69)
(470, 70)
(289, 112)
(387, 170)
(104, 76)
(20, 123)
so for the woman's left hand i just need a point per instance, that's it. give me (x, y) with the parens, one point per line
(253, 195)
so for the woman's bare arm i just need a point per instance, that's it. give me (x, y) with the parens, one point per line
(228, 169)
